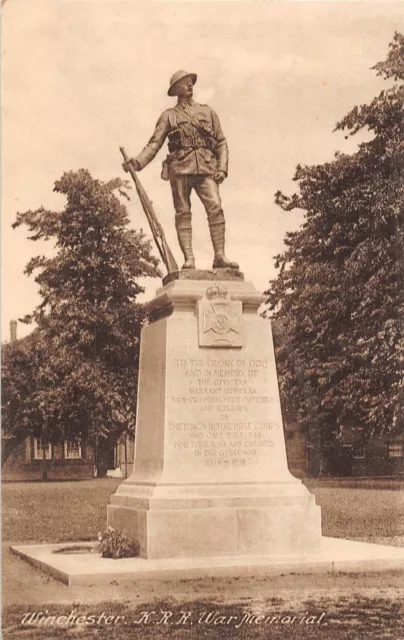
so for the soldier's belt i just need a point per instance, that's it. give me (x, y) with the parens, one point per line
(185, 147)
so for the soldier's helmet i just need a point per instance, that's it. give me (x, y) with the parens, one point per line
(179, 75)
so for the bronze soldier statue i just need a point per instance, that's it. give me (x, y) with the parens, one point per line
(198, 159)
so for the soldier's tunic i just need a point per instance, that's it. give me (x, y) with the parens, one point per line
(198, 149)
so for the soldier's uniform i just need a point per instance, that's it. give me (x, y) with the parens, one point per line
(197, 151)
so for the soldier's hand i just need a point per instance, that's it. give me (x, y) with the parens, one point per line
(131, 163)
(219, 177)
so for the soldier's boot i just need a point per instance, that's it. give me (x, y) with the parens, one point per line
(217, 233)
(184, 233)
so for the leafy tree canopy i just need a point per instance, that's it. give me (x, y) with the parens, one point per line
(75, 376)
(338, 299)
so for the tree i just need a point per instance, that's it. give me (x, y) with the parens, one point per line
(338, 300)
(19, 372)
(85, 350)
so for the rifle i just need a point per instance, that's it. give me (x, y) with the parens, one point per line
(155, 226)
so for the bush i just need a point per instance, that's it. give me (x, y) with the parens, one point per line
(114, 544)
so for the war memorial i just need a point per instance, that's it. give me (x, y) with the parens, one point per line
(210, 492)
(210, 474)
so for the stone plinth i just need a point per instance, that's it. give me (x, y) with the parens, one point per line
(210, 475)
(88, 570)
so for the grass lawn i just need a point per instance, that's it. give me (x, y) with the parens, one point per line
(55, 511)
(372, 514)
(70, 511)
(299, 607)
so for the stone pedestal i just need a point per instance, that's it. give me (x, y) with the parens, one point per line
(210, 475)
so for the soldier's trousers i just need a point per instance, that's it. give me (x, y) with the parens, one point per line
(208, 192)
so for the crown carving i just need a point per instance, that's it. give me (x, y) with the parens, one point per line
(216, 292)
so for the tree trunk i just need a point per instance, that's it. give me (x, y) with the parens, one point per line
(44, 463)
(126, 455)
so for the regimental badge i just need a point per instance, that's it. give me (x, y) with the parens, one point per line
(220, 319)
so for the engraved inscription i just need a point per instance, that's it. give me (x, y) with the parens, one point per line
(221, 393)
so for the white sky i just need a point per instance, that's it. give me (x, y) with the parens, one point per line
(80, 78)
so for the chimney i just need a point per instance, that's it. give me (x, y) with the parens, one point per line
(13, 330)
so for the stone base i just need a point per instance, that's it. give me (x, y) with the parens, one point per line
(272, 519)
(210, 475)
(336, 555)
(216, 275)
